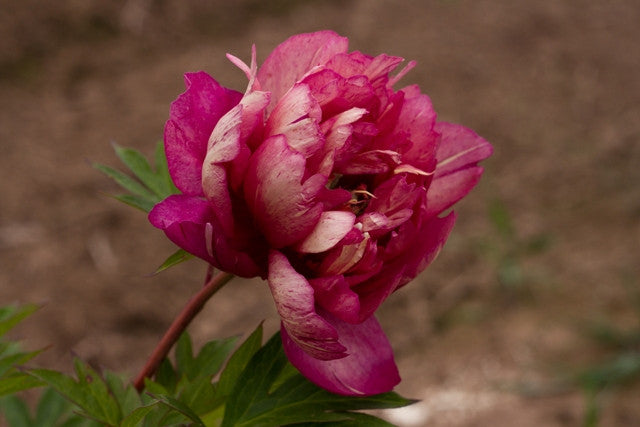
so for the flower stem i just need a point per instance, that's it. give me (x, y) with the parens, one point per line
(180, 323)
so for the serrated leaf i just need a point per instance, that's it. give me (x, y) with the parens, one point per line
(176, 258)
(18, 381)
(162, 169)
(137, 202)
(180, 407)
(15, 412)
(89, 393)
(135, 417)
(125, 394)
(353, 419)
(238, 361)
(10, 316)
(126, 182)
(9, 362)
(184, 354)
(167, 376)
(211, 357)
(295, 401)
(51, 407)
(138, 164)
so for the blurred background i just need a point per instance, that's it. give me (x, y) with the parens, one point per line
(531, 314)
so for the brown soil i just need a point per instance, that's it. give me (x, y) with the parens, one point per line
(553, 85)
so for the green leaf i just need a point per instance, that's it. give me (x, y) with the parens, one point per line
(89, 392)
(15, 412)
(174, 259)
(125, 394)
(51, 407)
(137, 202)
(12, 315)
(212, 356)
(139, 165)
(18, 381)
(184, 355)
(180, 407)
(162, 169)
(125, 181)
(135, 417)
(352, 419)
(254, 400)
(166, 376)
(238, 362)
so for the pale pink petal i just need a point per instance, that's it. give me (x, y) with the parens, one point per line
(345, 255)
(285, 208)
(446, 190)
(294, 299)
(330, 229)
(369, 369)
(193, 116)
(297, 116)
(459, 147)
(291, 60)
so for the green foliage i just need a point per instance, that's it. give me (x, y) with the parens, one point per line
(258, 386)
(148, 186)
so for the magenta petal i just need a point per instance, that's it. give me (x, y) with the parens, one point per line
(333, 294)
(446, 190)
(193, 116)
(290, 60)
(294, 298)
(285, 208)
(459, 147)
(368, 369)
(183, 219)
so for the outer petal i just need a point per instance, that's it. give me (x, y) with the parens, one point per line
(369, 369)
(285, 208)
(459, 147)
(295, 303)
(193, 116)
(446, 190)
(295, 56)
(183, 219)
(334, 295)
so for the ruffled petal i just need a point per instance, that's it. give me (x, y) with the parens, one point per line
(294, 299)
(285, 208)
(368, 369)
(459, 147)
(294, 57)
(193, 116)
(296, 116)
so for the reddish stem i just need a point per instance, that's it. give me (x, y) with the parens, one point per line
(180, 323)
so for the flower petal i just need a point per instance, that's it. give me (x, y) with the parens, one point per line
(183, 219)
(459, 147)
(291, 60)
(285, 208)
(193, 116)
(333, 294)
(446, 190)
(330, 229)
(368, 369)
(294, 299)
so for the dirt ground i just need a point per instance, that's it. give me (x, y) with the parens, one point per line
(486, 333)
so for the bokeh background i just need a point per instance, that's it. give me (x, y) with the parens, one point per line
(531, 314)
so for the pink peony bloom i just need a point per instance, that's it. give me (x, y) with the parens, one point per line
(327, 182)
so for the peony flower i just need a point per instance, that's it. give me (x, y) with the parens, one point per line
(327, 182)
